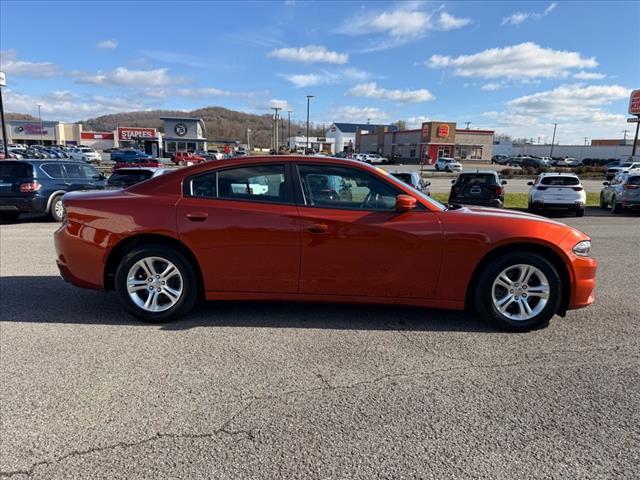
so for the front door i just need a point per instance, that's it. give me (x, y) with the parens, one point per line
(354, 243)
(242, 225)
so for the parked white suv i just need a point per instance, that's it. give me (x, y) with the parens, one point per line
(557, 191)
(448, 164)
(374, 158)
(85, 153)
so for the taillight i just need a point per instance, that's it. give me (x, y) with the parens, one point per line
(30, 187)
(499, 190)
(541, 188)
(577, 189)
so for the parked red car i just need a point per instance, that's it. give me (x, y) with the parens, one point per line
(186, 158)
(317, 229)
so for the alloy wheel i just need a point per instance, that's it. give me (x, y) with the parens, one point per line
(154, 284)
(520, 292)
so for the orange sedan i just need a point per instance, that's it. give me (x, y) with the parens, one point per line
(317, 229)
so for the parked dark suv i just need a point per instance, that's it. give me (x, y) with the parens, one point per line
(483, 187)
(37, 186)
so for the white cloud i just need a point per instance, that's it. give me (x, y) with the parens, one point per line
(325, 77)
(277, 103)
(11, 65)
(526, 60)
(108, 44)
(579, 111)
(122, 76)
(589, 75)
(491, 86)
(66, 106)
(358, 114)
(448, 22)
(310, 54)
(520, 17)
(403, 24)
(213, 92)
(417, 121)
(371, 90)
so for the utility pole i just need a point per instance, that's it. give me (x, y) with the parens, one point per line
(275, 119)
(585, 141)
(309, 97)
(248, 139)
(289, 112)
(625, 131)
(40, 117)
(467, 124)
(553, 140)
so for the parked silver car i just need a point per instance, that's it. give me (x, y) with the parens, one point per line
(622, 192)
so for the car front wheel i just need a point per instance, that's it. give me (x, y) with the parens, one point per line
(156, 283)
(519, 291)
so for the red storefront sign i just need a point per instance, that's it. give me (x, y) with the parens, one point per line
(443, 131)
(127, 133)
(96, 135)
(634, 103)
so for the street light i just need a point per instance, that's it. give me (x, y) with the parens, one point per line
(555, 125)
(5, 142)
(309, 97)
(40, 117)
(289, 129)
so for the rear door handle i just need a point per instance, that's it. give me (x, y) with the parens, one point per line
(318, 228)
(197, 216)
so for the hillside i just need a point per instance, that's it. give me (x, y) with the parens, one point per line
(221, 123)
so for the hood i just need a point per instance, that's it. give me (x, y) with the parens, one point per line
(500, 213)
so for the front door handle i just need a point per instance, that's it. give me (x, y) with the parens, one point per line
(318, 228)
(197, 216)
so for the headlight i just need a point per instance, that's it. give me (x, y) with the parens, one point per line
(582, 248)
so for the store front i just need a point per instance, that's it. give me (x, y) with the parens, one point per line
(183, 135)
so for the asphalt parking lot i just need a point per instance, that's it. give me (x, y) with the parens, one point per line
(278, 390)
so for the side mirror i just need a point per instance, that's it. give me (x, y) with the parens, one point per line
(529, 183)
(605, 183)
(504, 182)
(404, 203)
(453, 181)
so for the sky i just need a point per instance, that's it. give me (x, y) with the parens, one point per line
(513, 67)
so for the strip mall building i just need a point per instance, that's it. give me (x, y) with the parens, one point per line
(432, 141)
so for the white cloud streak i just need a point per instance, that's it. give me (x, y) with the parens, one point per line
(518, 18)
(109, 44)
(358, 114)
(125, 77)
(372, 90)
(11, 65)
(309, 54)
(326, 77)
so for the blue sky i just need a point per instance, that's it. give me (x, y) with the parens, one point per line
(516, 67)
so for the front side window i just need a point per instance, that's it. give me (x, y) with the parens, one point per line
(263, 183)
(340, 187)
(54, 170)
(73, 171)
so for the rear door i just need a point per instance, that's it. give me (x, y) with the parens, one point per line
(243, 226)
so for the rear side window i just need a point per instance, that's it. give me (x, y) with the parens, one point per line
(477, 179)
(263, 183)
(633, 181)
(54, 170)
(560, 181)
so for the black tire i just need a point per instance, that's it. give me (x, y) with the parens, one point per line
(483, 299)
(189, 293)
(603, 204)
(9, 216)
(56, 210)
(615, 206)
(580, 212)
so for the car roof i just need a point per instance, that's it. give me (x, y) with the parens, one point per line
(558, 174)
(482, 172)
(44, 161)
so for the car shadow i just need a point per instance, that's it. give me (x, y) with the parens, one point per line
(28, 218)
(48, 299)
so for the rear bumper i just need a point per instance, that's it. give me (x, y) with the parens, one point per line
(558, 205)
(80, 261)
(23, 204)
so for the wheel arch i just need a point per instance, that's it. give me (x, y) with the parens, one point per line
(543, 250)
(126, 245)
(54, 195)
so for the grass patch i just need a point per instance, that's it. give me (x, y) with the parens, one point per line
(520, 200)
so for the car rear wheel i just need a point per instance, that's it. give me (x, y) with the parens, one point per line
(56, 210)
(156, 283)
(519, 291)
(615, 206)
(580, 212)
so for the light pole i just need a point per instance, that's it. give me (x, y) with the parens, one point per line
(275, 129)
(289, 112)
(309, 97)
(553, 140)
(5, 141)
(40, 117)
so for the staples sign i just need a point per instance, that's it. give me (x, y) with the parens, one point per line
(634, 103)
(443, 131)
(127, 133)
